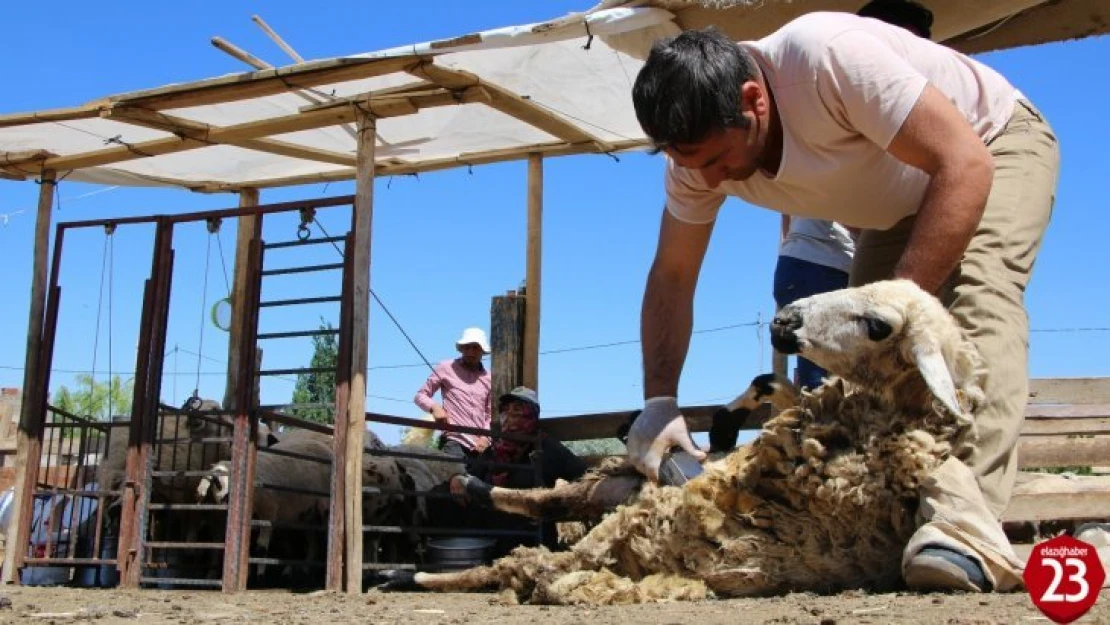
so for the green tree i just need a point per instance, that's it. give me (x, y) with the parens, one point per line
(318, 388)
(99, 400)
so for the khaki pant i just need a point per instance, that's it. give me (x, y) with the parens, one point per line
(986, 295)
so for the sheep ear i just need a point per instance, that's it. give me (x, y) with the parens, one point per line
(933, 368)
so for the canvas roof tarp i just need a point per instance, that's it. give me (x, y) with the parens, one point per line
(556, 87)
(547, 65)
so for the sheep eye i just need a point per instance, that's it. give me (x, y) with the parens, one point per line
(877, 329)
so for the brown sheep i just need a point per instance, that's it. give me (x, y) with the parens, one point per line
(823, 500)
(178, 447)
(302, 486)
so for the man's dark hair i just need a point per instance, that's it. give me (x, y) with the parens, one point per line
(689, 87)
(913, 16)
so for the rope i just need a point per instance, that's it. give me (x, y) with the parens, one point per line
(203, 310)
(223, 263)
(99, 310)
(382, 304)
(110, 231)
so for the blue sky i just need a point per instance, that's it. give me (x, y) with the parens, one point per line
(445, 243)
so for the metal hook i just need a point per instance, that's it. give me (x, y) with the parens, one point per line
(308, 215)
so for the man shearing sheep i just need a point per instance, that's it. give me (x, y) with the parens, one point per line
(946, 168)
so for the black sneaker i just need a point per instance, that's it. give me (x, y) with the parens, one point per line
(941, 569)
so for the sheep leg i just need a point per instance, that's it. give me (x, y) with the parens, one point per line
(477, 578)
(585, 499)
(265, 535)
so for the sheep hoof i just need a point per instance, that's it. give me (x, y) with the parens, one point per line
(397, 580)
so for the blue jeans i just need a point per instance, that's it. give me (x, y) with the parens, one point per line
(795, 279)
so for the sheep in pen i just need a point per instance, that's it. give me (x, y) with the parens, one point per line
(824, 499)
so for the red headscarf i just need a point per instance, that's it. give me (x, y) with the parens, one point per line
(512, 451)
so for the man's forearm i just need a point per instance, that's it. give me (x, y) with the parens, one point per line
(665, 325)
(949, 215)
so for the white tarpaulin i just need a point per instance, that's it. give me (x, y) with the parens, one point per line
(556, 87)
(564, 67)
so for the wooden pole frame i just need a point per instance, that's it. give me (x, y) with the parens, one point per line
(534, 267)
(239, 396)
(360, 319)
(245, 232)
(29, 438)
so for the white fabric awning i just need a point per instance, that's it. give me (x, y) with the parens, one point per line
(557, 87)
(553, 87)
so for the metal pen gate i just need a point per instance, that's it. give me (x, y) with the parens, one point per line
(145, 554)
(147, 525)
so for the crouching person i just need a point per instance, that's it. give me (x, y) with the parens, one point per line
(519, 414)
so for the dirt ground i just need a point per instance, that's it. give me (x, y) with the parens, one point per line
(68, 605)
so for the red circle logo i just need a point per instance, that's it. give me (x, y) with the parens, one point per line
(1064, 577)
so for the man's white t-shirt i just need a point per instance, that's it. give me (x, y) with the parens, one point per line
(843, 85)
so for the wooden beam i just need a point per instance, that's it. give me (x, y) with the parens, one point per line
(605, 425)
(360, 319)
(312, 96)
(85, 111)
(397, 167)
(1080, 498)
(238, 53)
(15, 159)
(1057, 451)
(533, 273)
(276, 38)
(230, 135)
(244, 233)
(1050, 412)
(508, 102)
(264, 82)
(20, 165)
(29, 437)
(1065, 427)
(1069, 391)
(199, 131)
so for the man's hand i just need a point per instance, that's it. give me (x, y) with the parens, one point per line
(458, 487)
(438, 413)
(658, 428)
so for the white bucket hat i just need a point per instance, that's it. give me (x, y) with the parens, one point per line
(473, 336)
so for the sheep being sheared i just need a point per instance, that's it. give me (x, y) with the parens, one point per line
(614, 482)
(823, 500)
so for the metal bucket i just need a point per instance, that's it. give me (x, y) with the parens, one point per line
(457, 553)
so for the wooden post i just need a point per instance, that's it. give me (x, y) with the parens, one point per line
(506, 342)
(360, 319)
(242, 399)
(337, 542)
(28, 441)
(532, 277)
(243, 235)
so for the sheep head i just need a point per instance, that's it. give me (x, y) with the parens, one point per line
(891, 338)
